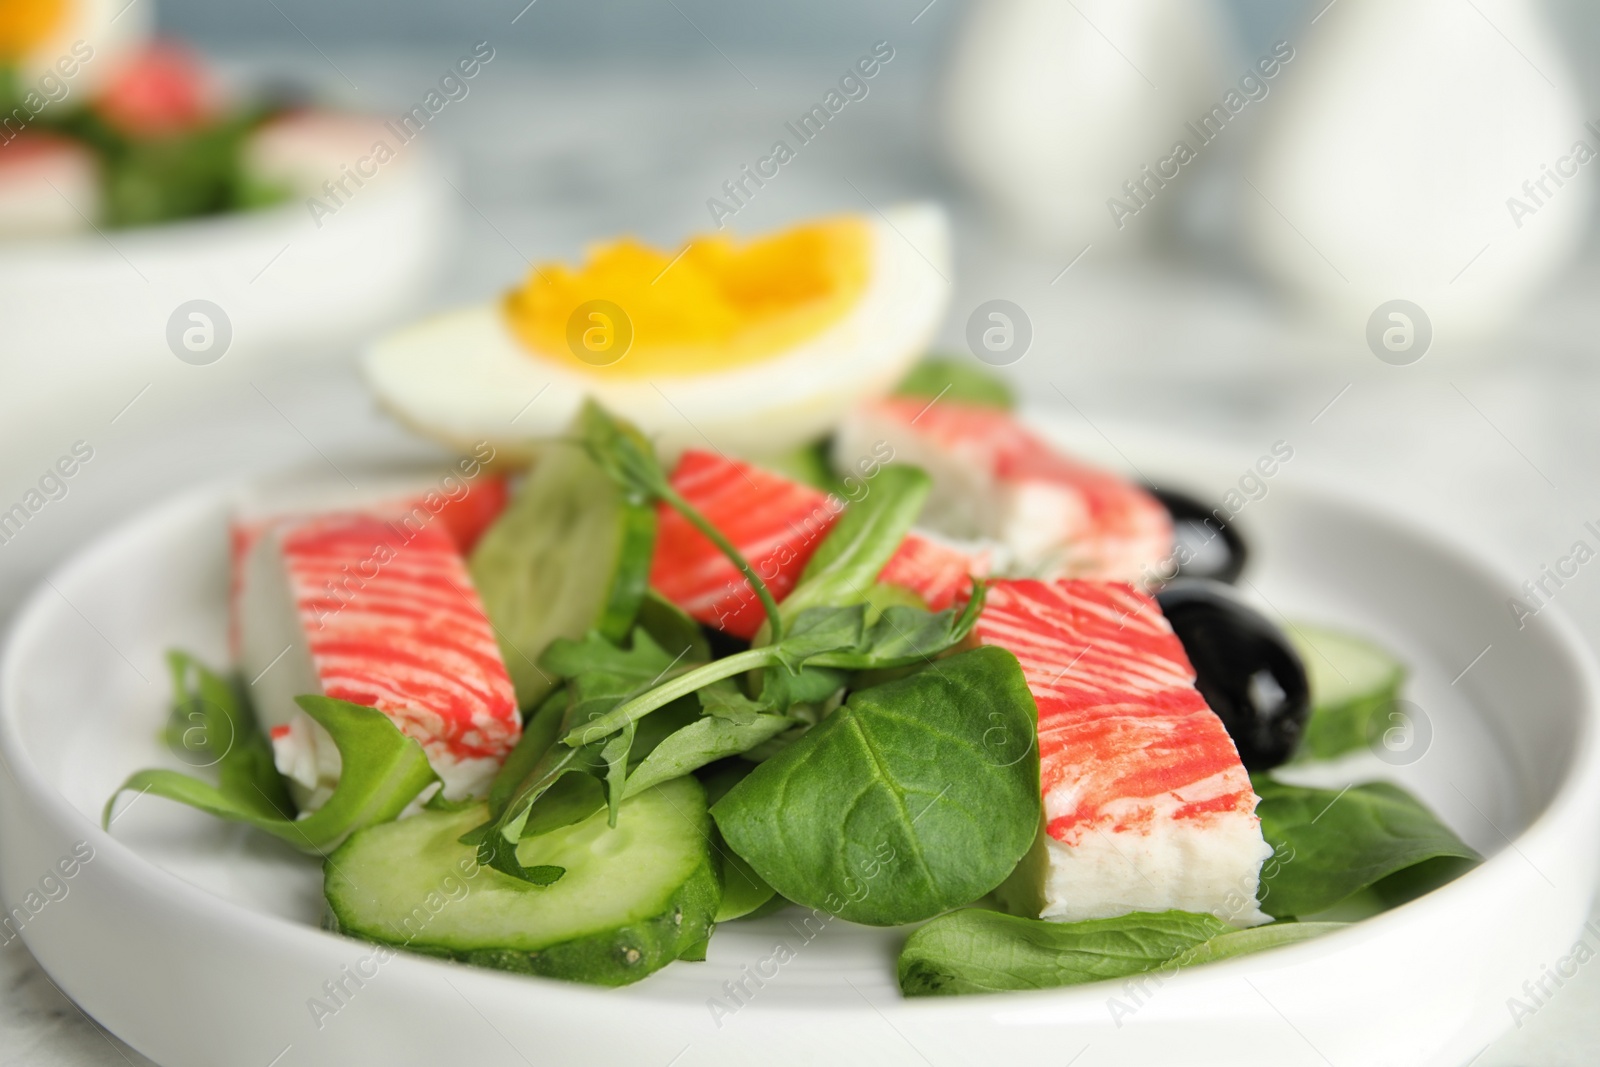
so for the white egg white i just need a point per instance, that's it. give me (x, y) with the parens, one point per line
(111, 29)
(463, 377)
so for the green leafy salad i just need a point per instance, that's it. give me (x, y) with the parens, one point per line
(861, 756)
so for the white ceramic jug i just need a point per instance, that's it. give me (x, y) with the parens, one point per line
(1422, 150)
(1052, 106)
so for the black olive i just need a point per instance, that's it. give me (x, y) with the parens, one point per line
(1247, 670)
(1205, 546)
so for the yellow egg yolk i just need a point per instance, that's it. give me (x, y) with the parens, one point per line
(26, 24)
(716, 304)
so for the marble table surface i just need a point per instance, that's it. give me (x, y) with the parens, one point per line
(1498, 439)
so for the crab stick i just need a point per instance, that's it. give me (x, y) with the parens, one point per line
(1146, 803)
(362, 608)
(996, 480)
(776, 524)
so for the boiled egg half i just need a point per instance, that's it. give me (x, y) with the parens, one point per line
(61, 48)
(747, 347)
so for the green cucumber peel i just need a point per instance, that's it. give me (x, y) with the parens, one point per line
(1354, 689)
(630, 460)
(570, 553)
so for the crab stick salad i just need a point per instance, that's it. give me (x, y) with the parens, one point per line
(100, 126)
(739, 602)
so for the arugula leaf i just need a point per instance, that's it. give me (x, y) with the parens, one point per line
(702, 742)
(615, 754)
(1258, 939)
(790, 691)
(667, 692)
(955, 378)
(383, 770)
(500, 853)
(822, 637)
(725, 700)
(211, 717)
(564, 778)
(628, 458)
(571, 800)
(602, 676)
(846, 564)
(538, 734)
(1331, 845)
(624, 453)
(896, 807)
(903, 636)
(544, 786)
(594, 657)
(980, 951)
(599, 676)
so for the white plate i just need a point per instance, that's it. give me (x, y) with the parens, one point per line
(92, 307)
(197, 942)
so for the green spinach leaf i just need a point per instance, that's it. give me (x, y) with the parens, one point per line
(846, 564)
(956, 379)
(212, 724)
(383, 770)
(1257, 939)
(1330, 844)
(901, 804)
(702, 742)
(979, 951)
(743, 891)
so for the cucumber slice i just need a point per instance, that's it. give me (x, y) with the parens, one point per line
(632, 900)
(1353, 684)
(570, 554)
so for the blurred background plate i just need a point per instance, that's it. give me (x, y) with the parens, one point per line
(91, 315)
